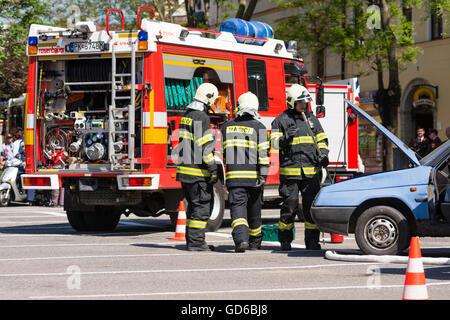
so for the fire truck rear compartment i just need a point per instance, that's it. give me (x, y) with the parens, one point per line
(74, 107)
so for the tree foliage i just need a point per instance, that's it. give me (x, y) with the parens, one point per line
(373, 34)
(16, 17)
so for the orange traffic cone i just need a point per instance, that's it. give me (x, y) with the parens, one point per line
(180, 230)
(415, 287)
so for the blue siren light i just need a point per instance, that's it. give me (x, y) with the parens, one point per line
(32, 41)
(143, 36)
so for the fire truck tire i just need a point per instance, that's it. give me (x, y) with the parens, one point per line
(217, 207)
(382, 230)
(104, 218)
(76, 220)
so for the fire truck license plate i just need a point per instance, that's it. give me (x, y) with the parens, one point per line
(88, 46)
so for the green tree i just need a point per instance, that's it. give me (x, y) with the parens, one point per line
(374, 34)
(16, 18)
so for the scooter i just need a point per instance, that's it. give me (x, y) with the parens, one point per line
(9, 188)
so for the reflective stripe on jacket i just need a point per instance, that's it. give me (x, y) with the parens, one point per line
(298, 155)
(196, 145)
(245, 149)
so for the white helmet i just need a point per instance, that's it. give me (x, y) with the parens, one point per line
(297, 93)
(248, 101)
(207, 93)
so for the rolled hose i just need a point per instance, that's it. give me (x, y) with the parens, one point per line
(333, 255)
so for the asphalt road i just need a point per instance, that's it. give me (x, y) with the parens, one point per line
(42, 257)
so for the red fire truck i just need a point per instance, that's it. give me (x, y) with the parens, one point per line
(103, 109)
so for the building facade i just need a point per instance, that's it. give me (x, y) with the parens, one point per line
(425, 88)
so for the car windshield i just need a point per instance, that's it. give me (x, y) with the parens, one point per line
(433, 157)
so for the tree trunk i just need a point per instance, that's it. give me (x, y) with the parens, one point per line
(389, 99)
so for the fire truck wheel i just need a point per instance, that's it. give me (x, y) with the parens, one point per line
(217, 207)
(76, 220)
(102, 219)
(382, 230)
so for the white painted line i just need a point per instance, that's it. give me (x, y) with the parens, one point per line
(125, 256)
(31, 223)
(98, 244)
(22, 217)
(265, 290)
(268, 268)
(52, 213)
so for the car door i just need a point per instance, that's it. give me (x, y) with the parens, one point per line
(440, 182)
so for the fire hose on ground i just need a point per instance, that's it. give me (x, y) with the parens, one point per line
(333, 255)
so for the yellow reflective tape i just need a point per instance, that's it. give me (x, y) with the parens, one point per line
(285, 226)
(255, 232)
(193, 171)
(190, 64)
(29, 137)
(242, 174)
(155, 136)
(196, 224)
(185, 135)
(321, 136)
(208, 158)
(239, 143)
(205, 139)
(127, 35)
(239, 222)
(302, 139)
(310, 226)
(322, 145)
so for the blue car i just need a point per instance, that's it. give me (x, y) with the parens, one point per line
(385, 209)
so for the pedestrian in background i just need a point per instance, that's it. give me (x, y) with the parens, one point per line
(420, 144)
(245, 151)
(300, 164)
(435, 141)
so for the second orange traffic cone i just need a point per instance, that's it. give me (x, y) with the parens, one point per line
(415, 287)
(180, 230)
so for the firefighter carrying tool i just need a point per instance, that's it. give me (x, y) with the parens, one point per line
(245, 152)
(299, 164)
(197, 169)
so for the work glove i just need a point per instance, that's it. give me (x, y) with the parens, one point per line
(213, 178)
(260, 182)
(323, 161)
(291, 132)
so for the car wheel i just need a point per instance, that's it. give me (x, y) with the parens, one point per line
(382, 230)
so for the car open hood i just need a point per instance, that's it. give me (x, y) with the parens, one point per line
(394, 139)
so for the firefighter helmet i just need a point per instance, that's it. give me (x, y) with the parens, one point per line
(248, 101)
(297, 93)
(207, 93)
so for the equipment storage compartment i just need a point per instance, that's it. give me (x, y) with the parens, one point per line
(73, 113)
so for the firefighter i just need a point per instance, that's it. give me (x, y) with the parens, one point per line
(300, 164)
(245, 152)
(197, 169)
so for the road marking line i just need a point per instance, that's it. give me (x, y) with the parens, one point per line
(268, 268)
(229, 291)
(95, 244)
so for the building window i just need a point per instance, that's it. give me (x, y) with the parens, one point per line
(257, 82)
(436, 27)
